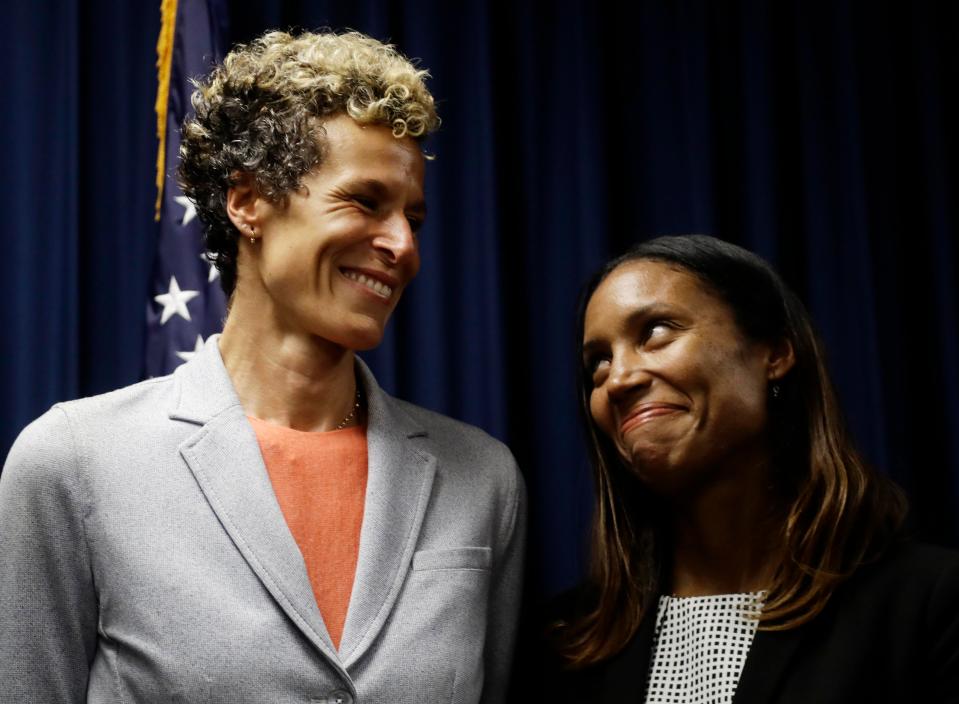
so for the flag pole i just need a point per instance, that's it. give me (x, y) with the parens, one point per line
(164, 61)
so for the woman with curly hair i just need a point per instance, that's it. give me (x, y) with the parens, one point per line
(742, 551)
(266, 524)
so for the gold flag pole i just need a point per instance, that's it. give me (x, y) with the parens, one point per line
(164, 61)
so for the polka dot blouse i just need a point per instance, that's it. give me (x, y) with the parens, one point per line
(700, 647)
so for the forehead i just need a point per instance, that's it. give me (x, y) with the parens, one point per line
(352, 149)
(654, 286)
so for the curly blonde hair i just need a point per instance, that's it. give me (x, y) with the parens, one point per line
(260, 113)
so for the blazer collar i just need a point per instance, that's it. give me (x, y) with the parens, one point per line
(398, 489)
(204, 389)
(766, 664)
(202, 386)
(225, 459)
(626, 673)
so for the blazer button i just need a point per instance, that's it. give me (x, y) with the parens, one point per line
(339, 696)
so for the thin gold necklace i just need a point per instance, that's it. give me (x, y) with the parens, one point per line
(357, 402)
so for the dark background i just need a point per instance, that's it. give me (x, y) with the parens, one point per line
(821, 135)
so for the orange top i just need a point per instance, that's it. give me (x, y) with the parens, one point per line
(320, 484)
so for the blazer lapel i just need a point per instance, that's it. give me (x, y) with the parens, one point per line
(766, 664)
(397, 493)
(626, 673)
(225, 458)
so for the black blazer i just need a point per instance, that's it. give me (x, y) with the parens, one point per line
(890, 634)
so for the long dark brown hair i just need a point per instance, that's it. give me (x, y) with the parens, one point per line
(837, 515)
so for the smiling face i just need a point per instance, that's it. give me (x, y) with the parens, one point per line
(333, 261)
(676, 386)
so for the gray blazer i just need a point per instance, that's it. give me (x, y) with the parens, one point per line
(144, 558)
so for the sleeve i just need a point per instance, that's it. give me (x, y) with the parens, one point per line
(943, 624)
(48, 608)
(506, 589)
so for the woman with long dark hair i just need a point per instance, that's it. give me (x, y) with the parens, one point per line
(741, 550)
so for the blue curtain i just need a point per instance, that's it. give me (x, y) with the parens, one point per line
(822, 135)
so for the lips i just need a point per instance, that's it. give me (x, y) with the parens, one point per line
(646, 412)
(376, 282)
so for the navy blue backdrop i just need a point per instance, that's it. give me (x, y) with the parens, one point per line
(822, 135)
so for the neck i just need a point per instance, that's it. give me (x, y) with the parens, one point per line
(724, 537)
(285, 377)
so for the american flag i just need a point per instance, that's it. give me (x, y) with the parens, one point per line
(186, 302)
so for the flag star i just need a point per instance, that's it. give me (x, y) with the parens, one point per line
(187, 356)
(189, 210)
(214, 272)
(174, 301)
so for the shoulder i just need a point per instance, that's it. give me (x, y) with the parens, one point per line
(929, 572)
(570, 605)
(552, 678)
(461, 443)
(475, 468)
(118, 403)
(910, 596)
(44, 452)
(444, 429)
(910, 567)
(890, 633)
(54, 444)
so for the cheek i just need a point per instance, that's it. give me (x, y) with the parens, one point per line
(599, 409)
(284, 273)
(739, 404)
(752, 405)
(414, 264)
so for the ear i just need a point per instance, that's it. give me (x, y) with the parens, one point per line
(780, 360)
(243, 203)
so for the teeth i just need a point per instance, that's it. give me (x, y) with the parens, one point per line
(372, 284)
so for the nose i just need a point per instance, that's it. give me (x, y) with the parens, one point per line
(395, 240)
(627, 375)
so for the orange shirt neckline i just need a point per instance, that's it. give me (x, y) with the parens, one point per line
(319, 479)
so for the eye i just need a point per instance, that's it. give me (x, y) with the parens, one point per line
(658, 331)
(415, 223)
(365, 202)
(594, 366)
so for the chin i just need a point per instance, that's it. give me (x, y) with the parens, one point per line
(658, 471)
(675, 481)
(361, 339)
(653, 474)
(365, 345)
(358, 333)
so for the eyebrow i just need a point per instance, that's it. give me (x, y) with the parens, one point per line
(380, 190)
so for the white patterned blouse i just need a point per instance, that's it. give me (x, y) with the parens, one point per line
(700, 647)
